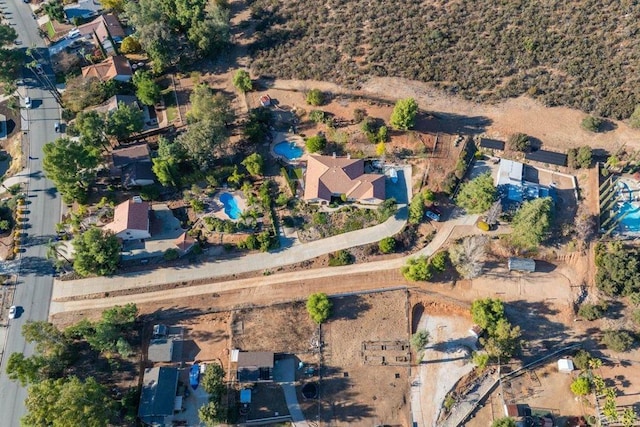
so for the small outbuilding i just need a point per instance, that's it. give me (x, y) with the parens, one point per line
(565, 366)
(522, 264)
(491, 144)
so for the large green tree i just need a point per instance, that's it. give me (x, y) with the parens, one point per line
(91, 127)
(242, 81)
(147, 90)
(404, 114)
(213, 380)
(96, 252)
(10, 59)
(71, 165)
(319, 307)
(504, 422)
(531, 223)
(618, 269)
(486, 313)
(254, 164)
(124, 121)
(477, 196)
(68, 402)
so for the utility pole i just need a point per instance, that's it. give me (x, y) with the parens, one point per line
(43, 77)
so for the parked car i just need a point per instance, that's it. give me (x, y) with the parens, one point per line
(56, 126)
(12, 312)
(73, 33)
(27, 102)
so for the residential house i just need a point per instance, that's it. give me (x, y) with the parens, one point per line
(133, 166)
(131, 220)
(112, 68)
(113, 103)
(253, 366)
(331, 176)
(105, 31)
(513, 186)
(83, 9)
(158, 399)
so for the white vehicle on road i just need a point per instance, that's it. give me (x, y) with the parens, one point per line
(27, 102)
(12, 312)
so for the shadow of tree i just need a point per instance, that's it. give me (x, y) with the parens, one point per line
(349, 307)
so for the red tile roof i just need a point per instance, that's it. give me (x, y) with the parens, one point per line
(130, 215)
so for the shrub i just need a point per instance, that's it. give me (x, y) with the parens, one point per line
(387, 245)
(417, 269)
(504, 422)
(171, 254)
(581, 386)
(483, 226)
(197, 205)
(635, 316)
(519, 142)
(619, 341)
(242, 81)
(319, 307)
(340, 258)
(439, 261)
(317, 116)
(316, 143)
(592, 311)
(480, 359)
(477, 195)
(359, 115)
(315, 97)
(416, 209)
(592, 124)
(419, 340)
(634, 120)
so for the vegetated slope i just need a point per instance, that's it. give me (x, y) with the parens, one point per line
(581, 53)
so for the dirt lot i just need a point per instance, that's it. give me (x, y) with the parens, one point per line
(542, 388)
(357, 389)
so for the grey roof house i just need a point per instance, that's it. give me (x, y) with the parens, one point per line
(522, 264)
(133, 166)
(158, 396)
(253, 366)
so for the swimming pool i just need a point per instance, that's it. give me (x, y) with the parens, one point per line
(231, 207)
(631, 219)
(288, 149)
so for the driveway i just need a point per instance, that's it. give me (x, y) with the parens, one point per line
(284, 373)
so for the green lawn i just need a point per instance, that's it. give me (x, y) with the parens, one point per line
(50, 30)
(170, 104)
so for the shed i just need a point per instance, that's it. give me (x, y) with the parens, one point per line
(545, 156)
(522, 264)
(491, 144)
(565, 366)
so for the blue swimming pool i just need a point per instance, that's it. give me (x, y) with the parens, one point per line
(630, 217)
(288, 149)
(231, 207)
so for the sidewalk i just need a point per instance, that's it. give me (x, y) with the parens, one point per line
(100, 285)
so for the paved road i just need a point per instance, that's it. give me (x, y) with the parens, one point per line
(33, 290)
(97, 286)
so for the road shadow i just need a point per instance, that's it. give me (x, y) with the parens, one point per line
(36, 265)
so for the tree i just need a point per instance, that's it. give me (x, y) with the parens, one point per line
(147, 90)
(519, 142)
(504, 422)
(618, 341)
(592, 311)
(581, 359)
(26, 370)
(71, 166)
(68, 402)
(404, 114)
(254, 164)
(592, 124)
(205, 105)
(387, 245)
(242, 81)
(48, 339)
(381, 149)
(166, 165)
(416, 209)
(96, 252)
(581, 386)
(531, 223)
(81, 93)
(477, 195)
(419, 340)
(55, 10)
(468, 256)
(211, 414)
(584, 157)
(487, 312)
(634, 120)
(618, 269)
(315, 97)
(210, 35)
(90, 125)
(319, 307)
(213, 380)
(203, 141)
(629, 417)
(124, 121)
(316, 143)
(417, 269)
(10, 59)
(115, 5)
(130, 44)
(257, 128)
(503, 340)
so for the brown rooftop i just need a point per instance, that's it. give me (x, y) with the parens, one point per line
(128, 155)
(108, 69)
(260, 359)
(130, 215)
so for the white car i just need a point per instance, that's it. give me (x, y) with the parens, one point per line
(74, 33)
(27, 102)
(12, 312)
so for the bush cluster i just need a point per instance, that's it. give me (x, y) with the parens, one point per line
(574, 54)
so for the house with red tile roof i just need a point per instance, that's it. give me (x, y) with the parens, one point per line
(130, 220)
(112, 68)
(331, 176)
